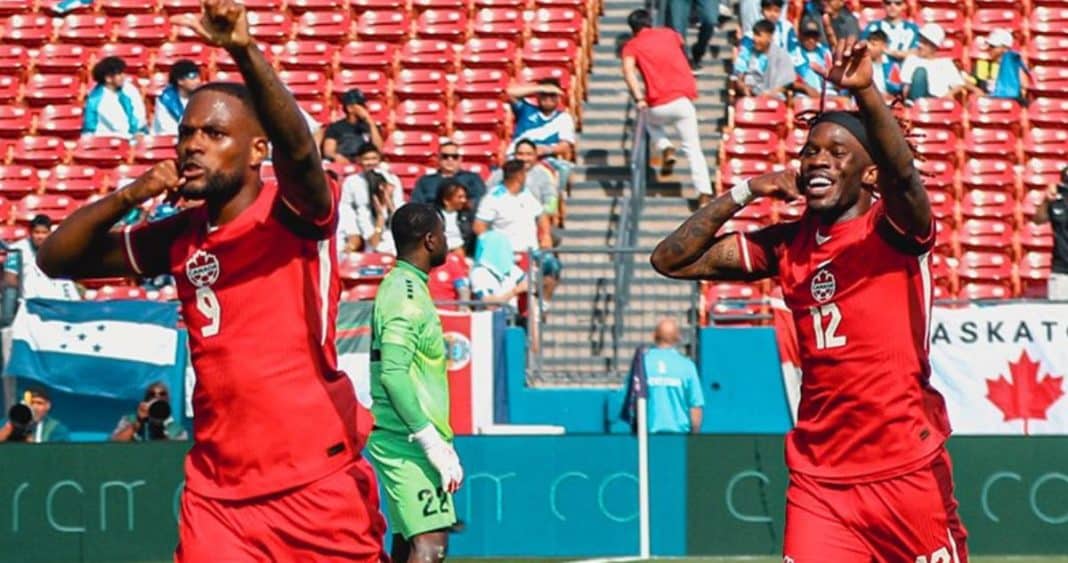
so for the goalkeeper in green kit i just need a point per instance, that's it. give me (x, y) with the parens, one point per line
(411, 443)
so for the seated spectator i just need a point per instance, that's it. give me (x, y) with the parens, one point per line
(762, 68)
(518, 215)
(114, 106)
(368, 201)
(813, 52)
(902, 35)
(170, 105)
(886, 72)
(496, 278)
(550, 128)
(539, 179)
(41, 426)
(1054, 210)
(1004, 74)
(452, 202)
(675, 399)
(927, 75)
(843, 23)
(152, 421)
(343, 138)
(426, 187)
(21, 270)
(785, 36)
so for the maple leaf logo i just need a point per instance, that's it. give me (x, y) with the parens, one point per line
(1025, 398)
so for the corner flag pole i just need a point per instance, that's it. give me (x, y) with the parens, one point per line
(643, 478)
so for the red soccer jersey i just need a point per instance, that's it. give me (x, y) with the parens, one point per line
(658, 53)
(259, 297)
(860, 293)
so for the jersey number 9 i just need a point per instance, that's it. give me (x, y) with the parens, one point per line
(208, 305)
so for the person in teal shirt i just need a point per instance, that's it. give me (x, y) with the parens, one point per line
(675, 400)
(43, 427)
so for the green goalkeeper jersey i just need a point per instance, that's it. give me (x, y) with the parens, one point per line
(409, 384)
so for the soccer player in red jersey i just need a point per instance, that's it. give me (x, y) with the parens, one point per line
(275, 471)
(870, 479)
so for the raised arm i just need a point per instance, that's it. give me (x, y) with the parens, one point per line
(297, 164)
(84, 246)
(630, 76)
(696, 251)
(907, 205)
(520, 91)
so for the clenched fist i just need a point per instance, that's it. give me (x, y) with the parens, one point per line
(221, 23)
(162, 178)
(779, 185)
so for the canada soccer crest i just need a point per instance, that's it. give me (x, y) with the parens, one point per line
(202, 269)
(823, 286)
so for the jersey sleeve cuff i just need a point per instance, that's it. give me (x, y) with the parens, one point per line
(128, 250)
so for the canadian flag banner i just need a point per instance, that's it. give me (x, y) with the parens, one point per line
(1001, 368)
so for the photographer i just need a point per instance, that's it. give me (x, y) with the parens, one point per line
(368, 201)
(35, 426)
(152, 421)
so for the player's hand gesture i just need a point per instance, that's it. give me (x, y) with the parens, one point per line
(851, 65)
(162, 178)
(779, 185)
(222, 23)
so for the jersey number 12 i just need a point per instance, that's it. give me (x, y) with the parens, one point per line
(825, 321)
(208, 305)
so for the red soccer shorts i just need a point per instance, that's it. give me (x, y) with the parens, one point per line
(907, 519)
(336, 518)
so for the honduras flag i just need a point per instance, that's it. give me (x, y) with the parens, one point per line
(111, 349)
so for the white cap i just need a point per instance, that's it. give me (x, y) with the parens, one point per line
(933, 33)
(999, 38)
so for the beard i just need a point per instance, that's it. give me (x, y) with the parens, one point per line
(439, 256)
(216, 186)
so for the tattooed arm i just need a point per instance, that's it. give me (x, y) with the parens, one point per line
(696, 251)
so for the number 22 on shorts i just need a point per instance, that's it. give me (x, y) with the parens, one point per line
(208, 305)
(825, 321)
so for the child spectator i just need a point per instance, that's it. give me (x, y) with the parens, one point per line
(762, 68)
(902, 35)
(927, 75)
(170, 105)
(812, 52)
(886, 70)
(1004, 75)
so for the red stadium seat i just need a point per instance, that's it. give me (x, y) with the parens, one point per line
(301, 6)
(9, 89)
(324, 26)
(270, 27)
(124, 7)
(1035, 238)
(1049, 20)
(739, 169)
(183, 6)
(1049, 81)
(1042, 142)
(361, 6)
(558, 22)
(1030, 203)
(155, 149)
(949, 18)
(445, 24)
(71, 172)
(514, 4)
(421, 115)
(14, 7)
(733, 303)
(938, 175)
(224, 63)
(392, 26)
(13, 189)
(136, 56)
(989, 174)
(17, 172)
(144, 29)
(14, 59)
(364, 266)
(1047, 50)
(31, 30)
(62, 58)
(376, 55)
(41, 152)
(985, 234)
(373, 84)
(943, 206)
(76, 188)
(61, 120)
(1033, 270)
(408, 174)
(264, 5)
(44, 89)
(994, 112)
(15, 121)
(981, 143)
(105, 152)
(976, 291)
(987, 204)
(937, 112)
(760, 144)
(1041, 173)
(57, 207)
(552, 51)
(481, 52)
(11, 233)
(486, 83)
(420, 5)
(503, 23)
(767, 113)
(420, 83)
(936, 143)
(428, 54)
(794, 142)
(304, 84)
(985, 20)
(1048, 112)
(532, 74)
(478, 146)
(305, 55)
(410, 146)
(170, 53)
(991, 267)
(488, 115)
(126, 173)
(762, 210)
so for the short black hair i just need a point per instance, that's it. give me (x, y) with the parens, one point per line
(771, 3)
(108, 66)
(878, 35)
(526, 142)
(39, 392)
(763, 26)
(511, 169)
(410, 225)
(550, 81)
(639, 20)
(41, 220)
(181, 69)
(447, 188)
(367, 148)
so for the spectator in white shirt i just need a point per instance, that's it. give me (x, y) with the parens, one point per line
(21, 271)
(170, 105)
(114, 106)
(927, 75)
(368, 201)
(540, 180)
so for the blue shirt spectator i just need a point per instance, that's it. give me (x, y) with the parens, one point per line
(903, 36)
(170, 105)
(886, 70)
(551, 128)
(675, 399)
(114, 106)
(1004, 74)
(812, 52)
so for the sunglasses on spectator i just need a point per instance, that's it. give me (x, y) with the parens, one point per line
(895, 2)
(450, 155)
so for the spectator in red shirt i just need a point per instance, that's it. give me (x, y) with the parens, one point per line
(657, 53)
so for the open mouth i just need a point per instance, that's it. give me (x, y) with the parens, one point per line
(818, 186)
(191, 170)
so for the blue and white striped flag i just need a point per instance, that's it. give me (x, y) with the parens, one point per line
(105, 349)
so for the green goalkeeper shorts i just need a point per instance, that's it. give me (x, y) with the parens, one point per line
(415, 499)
